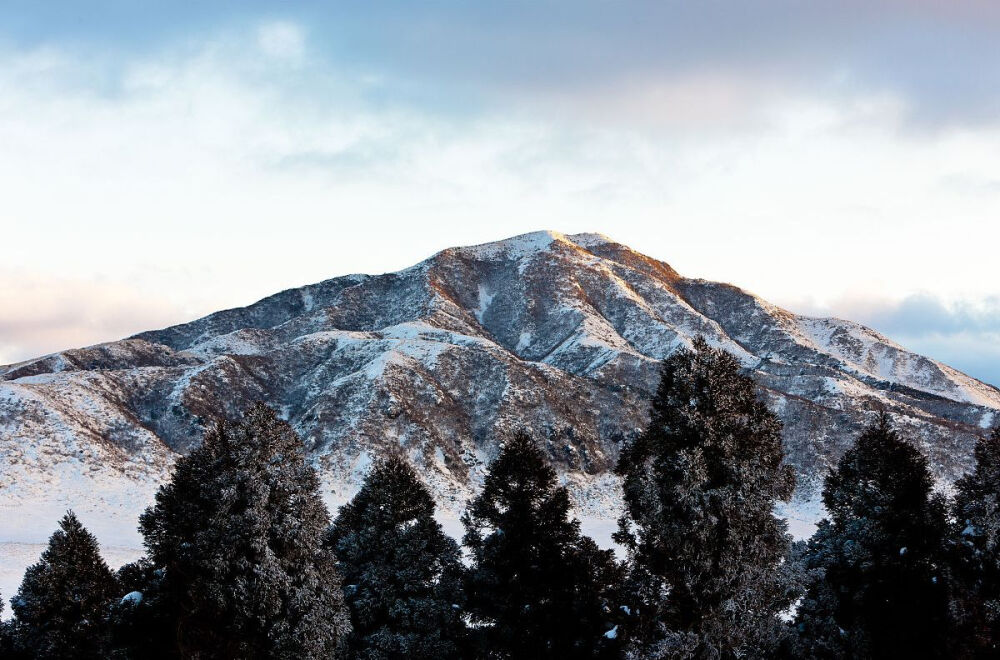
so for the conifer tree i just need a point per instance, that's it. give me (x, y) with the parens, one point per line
(142, 626)
(976, 553)
(6, 643)
(61, 610)
(401, 573)
(237, 535)
(700, 485)
(536, 586)
(878, 581)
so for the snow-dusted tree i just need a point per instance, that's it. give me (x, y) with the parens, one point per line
(877, 586)
(536, 586)
(61, 610)
(401, 572)
(976, 553)
(700, 485)
(6, 643)
(143, 626)
(237, 534)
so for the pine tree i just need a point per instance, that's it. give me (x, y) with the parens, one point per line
(142, 626)
(6, 643)
(536, 586)
(237, 534)
(699, 488)
(402, 574)
(61, 610)
(877, 586)
(976, 553)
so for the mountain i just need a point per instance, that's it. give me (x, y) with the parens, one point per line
(554, 333)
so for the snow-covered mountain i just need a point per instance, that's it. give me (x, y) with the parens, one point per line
(553, 333)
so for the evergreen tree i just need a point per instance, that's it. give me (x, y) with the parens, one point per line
(536, 587)
(401, 573)
(6, 643)
(976, 553)
(877, 586)
(237, 534)
(61, 609)
(141, 623)
(700, 485)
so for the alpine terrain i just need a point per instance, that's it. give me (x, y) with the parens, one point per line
(558, 335)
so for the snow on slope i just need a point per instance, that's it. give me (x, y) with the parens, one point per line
(557, 334)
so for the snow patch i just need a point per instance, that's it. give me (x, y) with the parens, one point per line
(308, 302)
(485, 298)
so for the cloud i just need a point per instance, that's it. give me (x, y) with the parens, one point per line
(281, 39)
(938, 58)
(929, 314)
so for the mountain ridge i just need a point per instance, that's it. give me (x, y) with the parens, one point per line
(559, 334)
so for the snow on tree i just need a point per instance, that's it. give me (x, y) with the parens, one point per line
(142, 625)
(976, 553)
(6, 643)
(536, 587)
(699, 489)
(877, 585)
(237, 537)
(401, 573)
(61, 609)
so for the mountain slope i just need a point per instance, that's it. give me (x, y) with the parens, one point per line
(558, 334)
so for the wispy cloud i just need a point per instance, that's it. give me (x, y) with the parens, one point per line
(281, 39)
(939, 58)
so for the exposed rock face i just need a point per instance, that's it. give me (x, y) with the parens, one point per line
(558, 334)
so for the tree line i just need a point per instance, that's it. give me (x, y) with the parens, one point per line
(243, 561)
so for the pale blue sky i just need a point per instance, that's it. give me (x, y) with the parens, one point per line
(159, 161)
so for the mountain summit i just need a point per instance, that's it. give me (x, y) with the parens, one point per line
(557, 334)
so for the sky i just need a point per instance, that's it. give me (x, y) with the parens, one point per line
(163, 160)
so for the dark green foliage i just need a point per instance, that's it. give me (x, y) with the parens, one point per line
(61, 610)
(6, 642)
(401, 573)
(536, 587)
(976, 553)
(136, 576)
(142, 625)
(878, 581)
(237, 535)
(700, 485)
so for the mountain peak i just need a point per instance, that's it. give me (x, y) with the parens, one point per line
(515, 247)
(524, 245)
(591, 239)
